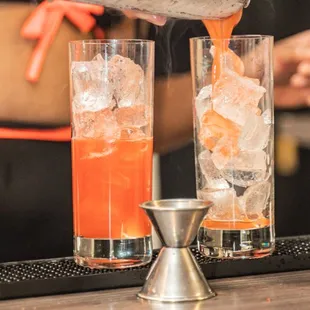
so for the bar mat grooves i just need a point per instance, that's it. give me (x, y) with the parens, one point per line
(60, 276)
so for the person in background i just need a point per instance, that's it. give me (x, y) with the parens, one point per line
(288, 21)
(35, 155)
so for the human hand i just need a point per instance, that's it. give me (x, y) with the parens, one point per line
(154, 19)
(292, 71)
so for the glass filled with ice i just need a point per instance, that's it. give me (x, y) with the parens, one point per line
(112, 147)
(234, 144)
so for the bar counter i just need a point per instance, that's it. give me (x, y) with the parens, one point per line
(285, 291)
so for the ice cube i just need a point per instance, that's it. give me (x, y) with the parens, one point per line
(267, 116)
(100, 124)
(132, 134)
(99, 70)
(243, 178)
(203, 101)
(246, 169)
(229, 60)
(210, 172)
(207, 138)
(92, 99)
(234, 112)
(232, 88)
(128, 81)
(89, 73)
(249, 160)
(255, 199)
(255, 134)
(236, 97)
(91, 86)
(226, 205)
(104, 152)
(214, 127)
(135, 116)
(81, 77)
(219, 160)
(225, 149)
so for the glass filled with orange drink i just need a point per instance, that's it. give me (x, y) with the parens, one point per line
(234, 126)
(112, 149)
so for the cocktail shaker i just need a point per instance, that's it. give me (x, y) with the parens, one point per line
(184, 9)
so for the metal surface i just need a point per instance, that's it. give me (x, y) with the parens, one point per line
(176, 221)
(281, 291)
(185, 9)
(175, 276)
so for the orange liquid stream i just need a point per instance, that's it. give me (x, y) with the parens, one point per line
(109, 183)
(220, 32)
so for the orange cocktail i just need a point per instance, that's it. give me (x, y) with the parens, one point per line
(109, 187)
(233, 123)
(112, 151)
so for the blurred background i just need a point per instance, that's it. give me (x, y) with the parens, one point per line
(35, 162)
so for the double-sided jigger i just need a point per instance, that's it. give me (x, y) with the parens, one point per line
(175, 275)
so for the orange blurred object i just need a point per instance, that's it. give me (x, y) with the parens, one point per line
(44, 23)
(57, 134)
(215, 127)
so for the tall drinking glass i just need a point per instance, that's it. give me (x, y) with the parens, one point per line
(234, 127)
(112, 148)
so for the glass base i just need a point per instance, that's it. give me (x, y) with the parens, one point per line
(112, 253)
(236, 244)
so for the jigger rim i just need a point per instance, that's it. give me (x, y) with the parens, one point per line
(170, 204)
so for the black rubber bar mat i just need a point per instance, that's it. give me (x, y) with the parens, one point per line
(60, 276)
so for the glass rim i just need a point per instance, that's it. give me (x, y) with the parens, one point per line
(111, 41)
(233, 38)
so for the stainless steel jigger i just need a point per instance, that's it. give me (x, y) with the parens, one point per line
(175, 276)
